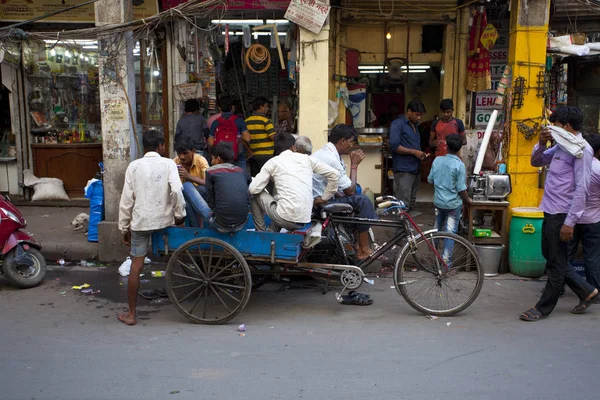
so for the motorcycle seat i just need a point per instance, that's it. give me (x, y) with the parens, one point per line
(338, 208)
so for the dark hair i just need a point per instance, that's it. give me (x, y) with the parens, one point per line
(225, 103)
(258, 102)
(224, 151)
(454, 142)
(416, 106)
(192, 105)
(446, 104)
(341, 131)
(283, 142)
(184, 143)
(594, 141)
(152, 139)
(568, 115)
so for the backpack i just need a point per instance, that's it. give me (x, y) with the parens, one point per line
(227, 131)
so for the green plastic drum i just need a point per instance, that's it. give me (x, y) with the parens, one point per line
(525, 248)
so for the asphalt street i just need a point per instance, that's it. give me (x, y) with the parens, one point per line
(58, 343)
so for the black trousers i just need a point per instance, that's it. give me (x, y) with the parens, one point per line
(558, 269)
(589, 236)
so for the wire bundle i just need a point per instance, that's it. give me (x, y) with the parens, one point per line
(258, 54)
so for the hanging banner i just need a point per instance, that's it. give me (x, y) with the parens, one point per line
(309, 14)
(23, 10)
(187, 91)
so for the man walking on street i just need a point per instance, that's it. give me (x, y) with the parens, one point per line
(405, 144)
(262, 135)
(587, 230)
(151, 200)
(563, 205)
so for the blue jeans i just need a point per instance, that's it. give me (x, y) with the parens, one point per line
(241, 161)
(195, 205)
(447, 221)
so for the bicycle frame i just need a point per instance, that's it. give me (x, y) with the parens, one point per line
(405, 223)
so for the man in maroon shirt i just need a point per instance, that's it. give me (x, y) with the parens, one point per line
(444, 126)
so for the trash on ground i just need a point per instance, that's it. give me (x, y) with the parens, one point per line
(369, 281)
(84, 286)
(242, 328)
(158, 274)
(174, 392)
(392, 287)
(147, 260)
(144, 280)
(45, 216)
(87, 291)
(62, 292)
(61, 261)
(498, 284)
(242, 334)
(83, 263)
(431, 317)
(448, 323)
(125, 267)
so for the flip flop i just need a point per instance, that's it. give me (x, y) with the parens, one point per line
(357, 299)
(532, 315)
(153, 294)
(585, 304)
(353, 293)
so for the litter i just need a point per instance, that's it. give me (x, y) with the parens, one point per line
(392, 287)
(242, 328)
(448, 323)
(174, 392)
(125, 267)
(498, 284)
(147, 260)
(144, 280)
(62, 292)
(158, 274)
(87, 291)
(242, 334)
(84, 286)
(369, 281)
(45, 216)
(431, 317)
(61, 261)
(83, 263)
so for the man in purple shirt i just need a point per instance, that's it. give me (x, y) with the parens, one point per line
(563, 204)
(587, 229)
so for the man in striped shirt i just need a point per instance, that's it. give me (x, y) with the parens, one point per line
(262, 134)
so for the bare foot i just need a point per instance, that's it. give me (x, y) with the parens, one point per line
(127, 319)
(593, 294)
(364, 254)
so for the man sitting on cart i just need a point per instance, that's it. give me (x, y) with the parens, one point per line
(292, 174)
(341, 140)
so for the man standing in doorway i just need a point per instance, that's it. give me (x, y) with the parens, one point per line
(444, 126)
(563, 204)
(405, 144)
(193, 125)
(226, 124)
(262, 135)
(151, 200)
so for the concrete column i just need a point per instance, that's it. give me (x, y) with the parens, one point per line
(117, 99)
(448, 60)
(313, 60)
(526, 57)
(463, 49)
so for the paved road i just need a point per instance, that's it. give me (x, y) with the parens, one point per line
(299, 345)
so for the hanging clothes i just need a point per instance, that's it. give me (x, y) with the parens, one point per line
(478, 61)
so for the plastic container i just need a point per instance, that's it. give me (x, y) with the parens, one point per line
(490, 258)
(479, 232)
(525, 242)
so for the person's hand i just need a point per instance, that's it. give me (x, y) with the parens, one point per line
(318, 202)
(420, 155)
(183, 174)
(545, 135)
(179, 221)
(356, 157)
(127, 238)
(566, 233)
(468, 201)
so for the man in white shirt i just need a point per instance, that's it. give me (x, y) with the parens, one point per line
(152, 199)
(292, 174)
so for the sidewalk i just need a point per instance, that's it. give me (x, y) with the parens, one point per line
(51, 227)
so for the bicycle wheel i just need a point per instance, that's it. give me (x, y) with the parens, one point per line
(434, 287)
(208, 281)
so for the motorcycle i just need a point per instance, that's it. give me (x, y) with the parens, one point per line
(22, 263)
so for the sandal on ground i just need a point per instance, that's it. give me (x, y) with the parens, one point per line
(532, 315)
(353, 293)
(153, 294)
(585, 304)
(357, 299)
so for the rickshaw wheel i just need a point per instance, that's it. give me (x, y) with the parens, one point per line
(208, 281)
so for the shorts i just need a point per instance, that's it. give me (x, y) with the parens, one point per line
(139, 243)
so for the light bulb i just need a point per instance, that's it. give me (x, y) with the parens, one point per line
(87, 59)
(67, 53)
(388, 36)
(52, 52)
(81, 56)
(156, 73)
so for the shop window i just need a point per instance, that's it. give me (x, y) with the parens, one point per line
(433, 36)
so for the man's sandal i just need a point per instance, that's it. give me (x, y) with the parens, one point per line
(532, 315)
(585, 304)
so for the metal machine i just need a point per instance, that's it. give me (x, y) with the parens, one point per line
(489, 186)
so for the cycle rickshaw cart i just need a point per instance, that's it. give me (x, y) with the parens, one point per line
(210, 275)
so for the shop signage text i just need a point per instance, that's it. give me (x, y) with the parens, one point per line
(483, 117)
(485, 100)
(309, 14)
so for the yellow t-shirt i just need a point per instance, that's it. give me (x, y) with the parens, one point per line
(198, 168)
(262, 133)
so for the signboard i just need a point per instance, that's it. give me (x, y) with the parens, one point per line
(187, 91)
(485, 100)
(23, 10)
(498, 56)
(489, 36)
(482, 117)
(309, 14)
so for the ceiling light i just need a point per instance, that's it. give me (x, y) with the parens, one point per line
(156, 73)
(238, 21)
(90, 46)
(278, 21)
(388, 36)
(81, 56)
(67, 53)
(53, 52)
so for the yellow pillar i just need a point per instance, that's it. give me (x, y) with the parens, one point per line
(527, 57)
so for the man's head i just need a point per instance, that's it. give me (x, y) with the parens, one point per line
(222, 153)
(394, 108)
(343, 137)
(225, 104)
(185, 149)
(446, 109)
(303, 145)
(454, 143)
(568, 118)
(415, 110)
(283, 142)
(594, 141)
(192, 106)
(260, 104)
(283, 111)
(154, 140)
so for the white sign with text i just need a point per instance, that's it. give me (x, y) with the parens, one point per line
(309, 14)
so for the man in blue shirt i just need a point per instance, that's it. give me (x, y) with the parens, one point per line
(449, 177)
(405, 144)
